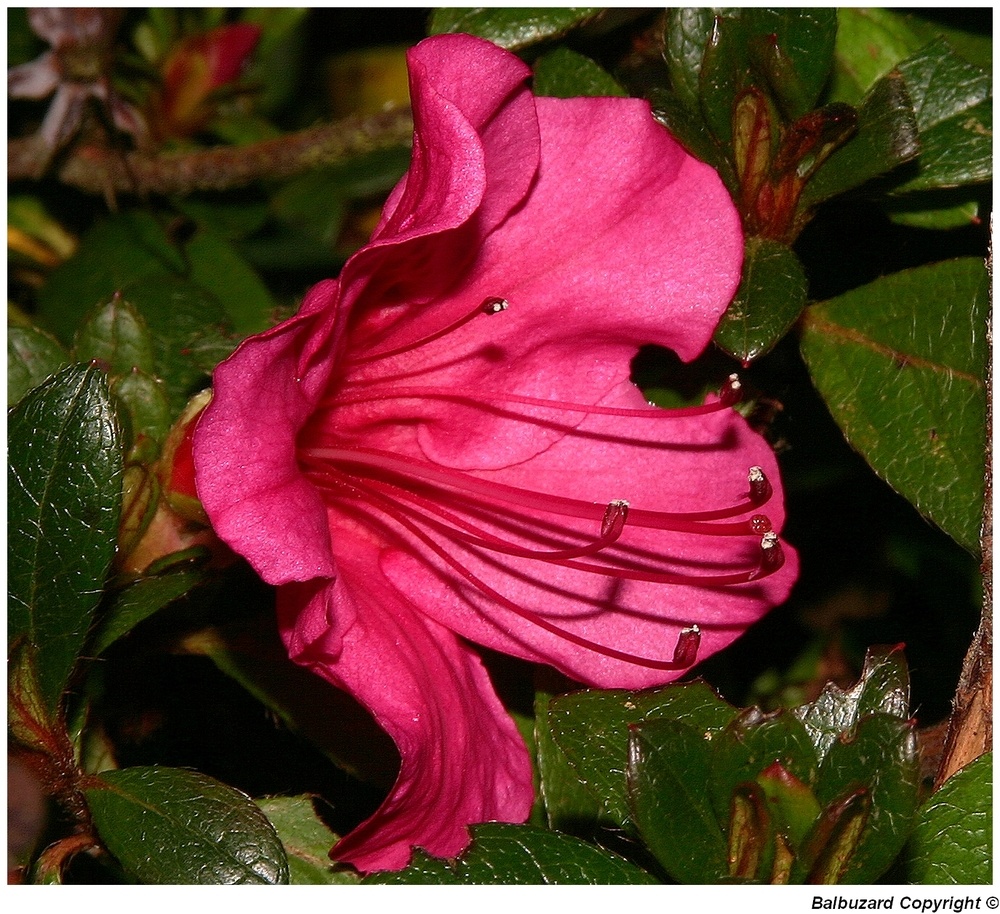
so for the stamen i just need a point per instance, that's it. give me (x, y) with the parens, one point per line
(492, 305)
(685, 650)
(728, 396)
(772, 556)
(437, 476)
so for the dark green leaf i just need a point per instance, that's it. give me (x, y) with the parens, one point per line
(686, 35)
(568, 803)
(770, 298)
(671, 800)
(952, 102)
(511, 28)
(168, 826)
(752, 743)
(952, 840)
(307, 842)
(191, 333)
(115, 333)
(133, 247)
(887, 137)
(688, 127)
(32, 355)
(138, 602)
(145, 409)
(900, 363)
(884, 687)
(519, 855)
(63, 501)
(880, 757)
(592, 728)
(563, 73)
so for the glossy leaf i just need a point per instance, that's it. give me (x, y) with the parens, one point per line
(900, 363)
(168, 826)
(115, 333)
(144, 408)
(563, 73)
(880, 758)
(951, 842)
(567, 802)
(671, 800)
(519, 855)
(686, 35)
(511, 28)
(307, 842)
(592, 728)
(884, 687)
(63, 502)
(769, 300)
(953, 104)
(887, 137)
(937, 210)
(752, 743)
(32, 356)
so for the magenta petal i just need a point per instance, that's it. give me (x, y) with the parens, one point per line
(462, 760)
(248, 477)
(35, 79)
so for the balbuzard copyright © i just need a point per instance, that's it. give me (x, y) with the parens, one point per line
(954, 904)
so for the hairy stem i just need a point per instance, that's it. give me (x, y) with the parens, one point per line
(99, 169)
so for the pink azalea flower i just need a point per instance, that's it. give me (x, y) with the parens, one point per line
(443, 448)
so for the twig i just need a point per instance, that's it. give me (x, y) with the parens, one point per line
(101, 170)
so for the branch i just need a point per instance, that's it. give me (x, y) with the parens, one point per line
(101, 170)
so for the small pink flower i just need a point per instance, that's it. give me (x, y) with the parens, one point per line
(443, 448)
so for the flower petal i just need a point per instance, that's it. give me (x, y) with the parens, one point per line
(462, 760)
(624, 240)
(247, 473)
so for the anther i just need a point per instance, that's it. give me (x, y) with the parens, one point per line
(772, 557)
(760, 488)
(686, 649)
(494, 305)
(614, 518)
(732, 391)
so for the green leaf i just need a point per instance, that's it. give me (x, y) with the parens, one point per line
(191, 334)
(752, 743)
(900, 363)
(511, 28)
(138, 602)
(951, 842)
(63, 502)
(769, 300)
(592, 728)
(563, 73)
(884, 687)
(115, 333)
(671, 800)
(168, 826)
(133, 247)
(568, 803)
(937, 210)
(880, 757)
(685, 37)
(519, 855)
(145, 409)
(952, 100)
(32, 356)
(887, 137)
(870, 42)
(307, 842)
